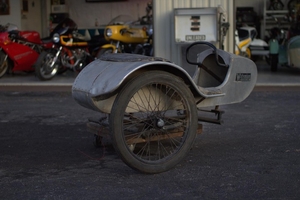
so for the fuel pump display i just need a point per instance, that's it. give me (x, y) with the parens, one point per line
(196, 24)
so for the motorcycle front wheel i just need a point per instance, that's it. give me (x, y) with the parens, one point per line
(3, 63)
(154, 122)
(44, 67)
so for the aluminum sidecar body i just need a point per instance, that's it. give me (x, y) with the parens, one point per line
(211, 84)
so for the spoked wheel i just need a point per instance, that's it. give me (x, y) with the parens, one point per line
(154, 122)
(3, 63)
(46, 68)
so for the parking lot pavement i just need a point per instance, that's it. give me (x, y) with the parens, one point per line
(283, 77)
(47, 153)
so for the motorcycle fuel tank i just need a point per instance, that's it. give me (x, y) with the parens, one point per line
(31, 36)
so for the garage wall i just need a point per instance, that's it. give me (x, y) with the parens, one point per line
(14, 16)
(164, 42)
(31, 19)
(85, 14)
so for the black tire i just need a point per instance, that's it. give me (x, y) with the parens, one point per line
(157, 135)
(276, 5)
(267, 59)
(3, 63)
(104, 51)
(43, 69)
(61, 69)
(273, 58)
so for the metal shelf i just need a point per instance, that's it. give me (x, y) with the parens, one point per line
(269, 17)
(276, 11)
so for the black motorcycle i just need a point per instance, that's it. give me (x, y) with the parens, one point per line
(70, 52)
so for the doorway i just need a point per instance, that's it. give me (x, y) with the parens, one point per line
(31, 17)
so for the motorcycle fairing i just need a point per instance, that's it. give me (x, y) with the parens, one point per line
(23, 56)
(98, 83)
(108, 46)
(31, 36)
(126, 34)
(67, 26)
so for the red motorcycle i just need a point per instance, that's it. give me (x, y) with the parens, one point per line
(19, 50)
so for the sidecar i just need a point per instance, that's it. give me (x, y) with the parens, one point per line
(154, 107)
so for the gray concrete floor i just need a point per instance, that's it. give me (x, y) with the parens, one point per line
(283, 77)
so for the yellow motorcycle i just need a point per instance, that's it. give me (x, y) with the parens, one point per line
(242, 43)
(127, 36)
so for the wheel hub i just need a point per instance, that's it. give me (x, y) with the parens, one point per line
(160, 123)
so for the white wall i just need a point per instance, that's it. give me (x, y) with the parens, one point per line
(84, 14)
(14, 16)
(31, 20)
